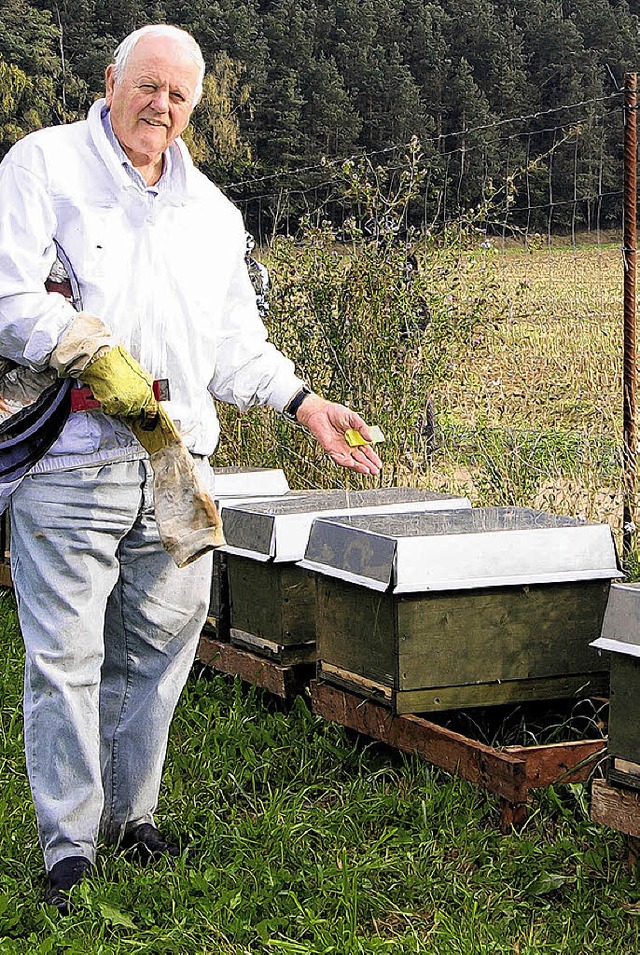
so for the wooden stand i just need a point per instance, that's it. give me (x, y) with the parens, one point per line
(619, 809)
(285, 682)
(509, 772)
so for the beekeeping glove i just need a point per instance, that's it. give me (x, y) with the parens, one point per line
(188, 520)
(121, 386)
(87, 351)
(84, 340)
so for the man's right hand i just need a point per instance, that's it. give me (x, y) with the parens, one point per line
(121, 386)
(328, 422)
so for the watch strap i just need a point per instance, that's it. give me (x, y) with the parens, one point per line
(291, 409)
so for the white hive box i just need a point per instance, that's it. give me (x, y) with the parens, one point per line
(461, 608)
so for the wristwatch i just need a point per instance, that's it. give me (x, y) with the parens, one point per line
(291, 410)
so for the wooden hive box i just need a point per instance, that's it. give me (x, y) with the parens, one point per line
(234, 486)
(273, 600)
(621, 637)
(479, 607)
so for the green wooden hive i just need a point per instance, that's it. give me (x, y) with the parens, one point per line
(621, 638)
(233, 486)
(273, 600)
(478, 607)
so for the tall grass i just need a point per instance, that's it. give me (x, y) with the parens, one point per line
(378, 325)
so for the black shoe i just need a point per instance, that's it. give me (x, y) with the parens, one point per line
(62, 878)
(145, 843)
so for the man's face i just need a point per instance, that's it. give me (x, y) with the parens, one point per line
(152, 103)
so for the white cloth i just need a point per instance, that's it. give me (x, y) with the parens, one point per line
(167, 276)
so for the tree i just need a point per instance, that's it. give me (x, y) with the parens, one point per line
(214, 136)
(329, 115)
(32, 84)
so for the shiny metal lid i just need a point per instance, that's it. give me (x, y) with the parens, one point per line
(250, 482)
(279, 530)
(460, 549)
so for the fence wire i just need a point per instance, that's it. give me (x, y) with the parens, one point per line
(531, 411)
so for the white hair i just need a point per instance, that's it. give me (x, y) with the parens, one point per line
(125, 49)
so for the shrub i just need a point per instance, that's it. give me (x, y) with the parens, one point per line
(373, 315)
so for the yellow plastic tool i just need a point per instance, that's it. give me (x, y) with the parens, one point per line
(355, 440)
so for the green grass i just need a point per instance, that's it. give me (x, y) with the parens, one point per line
(306, 840)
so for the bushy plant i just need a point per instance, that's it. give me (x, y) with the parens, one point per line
(373, 314)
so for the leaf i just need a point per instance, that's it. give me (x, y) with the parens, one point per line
(547, 882)
(115, 916)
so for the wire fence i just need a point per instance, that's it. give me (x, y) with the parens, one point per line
(531, 409)
(564, 175)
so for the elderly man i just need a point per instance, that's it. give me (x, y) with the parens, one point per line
(110, 624)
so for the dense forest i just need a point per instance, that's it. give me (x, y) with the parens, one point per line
(490, 88)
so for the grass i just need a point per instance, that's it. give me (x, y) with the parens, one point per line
(306, 840)
(532, 411)
(557, 358)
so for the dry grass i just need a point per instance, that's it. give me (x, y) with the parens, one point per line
(556, 361)
(545, 384)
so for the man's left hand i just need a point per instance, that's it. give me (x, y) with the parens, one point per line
(327, 422)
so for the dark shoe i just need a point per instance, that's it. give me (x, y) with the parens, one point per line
(145, 843)
(62, 878)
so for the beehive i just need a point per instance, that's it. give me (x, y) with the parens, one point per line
(621, 637)
(436, 611)
(273, 600)
(234, 486)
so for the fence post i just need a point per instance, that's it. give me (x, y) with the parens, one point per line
(629, 363)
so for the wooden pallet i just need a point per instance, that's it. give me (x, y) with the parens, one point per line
(285, 682)
(509, 772)
(619, 809)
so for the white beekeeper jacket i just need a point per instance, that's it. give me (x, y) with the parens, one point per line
(167, 274)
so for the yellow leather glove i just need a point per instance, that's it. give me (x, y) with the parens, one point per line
(121, 386)
(162, 434)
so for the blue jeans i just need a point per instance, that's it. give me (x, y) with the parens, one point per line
(110, 627)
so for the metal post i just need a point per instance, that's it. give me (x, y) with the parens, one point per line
(629, 365)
